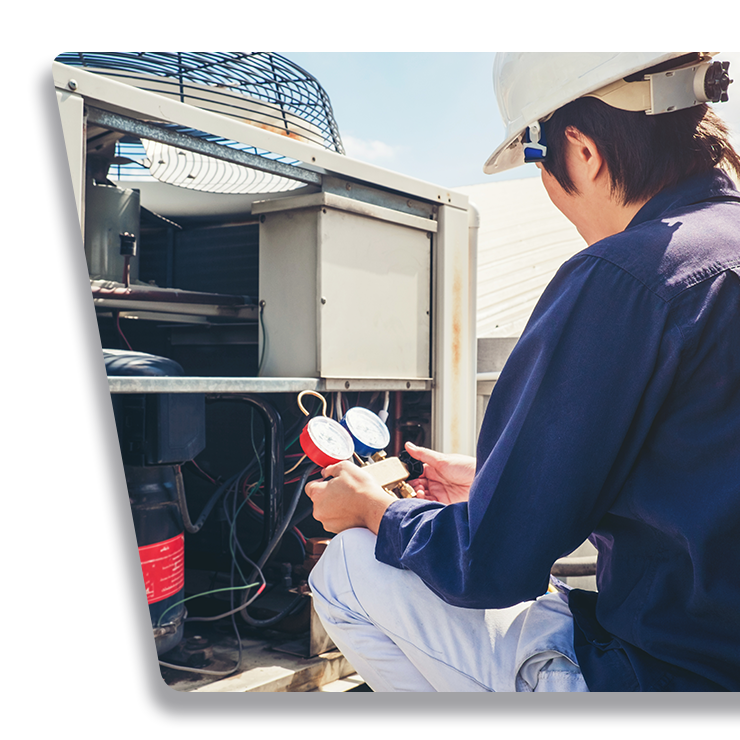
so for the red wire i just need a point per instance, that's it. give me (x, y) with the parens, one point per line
(256, 508)
(203, 471)
(120, 331)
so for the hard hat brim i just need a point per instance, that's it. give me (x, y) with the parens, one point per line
(597, 74)
(508, 156)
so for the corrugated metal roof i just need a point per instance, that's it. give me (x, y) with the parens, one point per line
(523, 240)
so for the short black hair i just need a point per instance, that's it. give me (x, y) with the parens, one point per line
(644, 154)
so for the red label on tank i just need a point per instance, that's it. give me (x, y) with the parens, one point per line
(162, 565)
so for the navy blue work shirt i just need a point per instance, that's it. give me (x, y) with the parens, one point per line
(616, 418)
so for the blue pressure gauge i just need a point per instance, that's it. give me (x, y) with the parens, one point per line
(367, 429)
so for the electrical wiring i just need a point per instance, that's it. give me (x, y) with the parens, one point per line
(296, 465)
(302, 514)
(257, 455)
(231, 613)
(233, 541)
(182, 503)
(201, 472)
(206, 593)
(232, 589)
(293, 529)
(297, 532)
(120, 331)
(264, 337)
(256, 509)
(271, 546)
(193, 528)
(229, 489)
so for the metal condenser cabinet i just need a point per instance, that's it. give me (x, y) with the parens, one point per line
(346, 288)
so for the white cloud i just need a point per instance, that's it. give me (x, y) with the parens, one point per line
(369, 151)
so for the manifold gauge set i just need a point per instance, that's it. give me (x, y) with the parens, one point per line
(363, 434)
(327, 442)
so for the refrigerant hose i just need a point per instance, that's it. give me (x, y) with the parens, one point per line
(269, 550)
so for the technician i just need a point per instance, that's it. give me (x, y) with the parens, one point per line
(616, 418)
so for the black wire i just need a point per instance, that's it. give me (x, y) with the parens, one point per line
(182, 502)
(226, 486)
(193, 528)
(232, 529)
(231, 601)
(302, 514)
(270, 548)
(257, 571)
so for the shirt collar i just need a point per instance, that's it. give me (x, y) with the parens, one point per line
(710, 185)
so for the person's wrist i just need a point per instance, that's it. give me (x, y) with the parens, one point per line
(376, 504)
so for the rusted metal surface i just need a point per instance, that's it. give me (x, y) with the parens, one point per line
(141, 129)
(454, 323)
(104, 289)
(138, 299)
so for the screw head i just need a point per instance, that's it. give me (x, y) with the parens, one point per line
(72, 84)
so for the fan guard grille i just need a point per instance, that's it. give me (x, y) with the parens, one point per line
(262, 88)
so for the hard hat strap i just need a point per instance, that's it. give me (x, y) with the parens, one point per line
(535, 143)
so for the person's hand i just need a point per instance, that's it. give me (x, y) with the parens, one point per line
(447, 477)
(348, 497)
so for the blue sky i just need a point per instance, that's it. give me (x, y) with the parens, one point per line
(430, 115)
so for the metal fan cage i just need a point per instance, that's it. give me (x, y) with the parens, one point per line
(262, 88)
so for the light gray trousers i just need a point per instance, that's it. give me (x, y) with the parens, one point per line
(399, 636)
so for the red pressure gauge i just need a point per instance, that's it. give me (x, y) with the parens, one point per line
(326, 442)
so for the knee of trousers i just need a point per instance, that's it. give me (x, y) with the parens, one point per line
(346, 553)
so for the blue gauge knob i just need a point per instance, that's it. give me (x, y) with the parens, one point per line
(367, 429)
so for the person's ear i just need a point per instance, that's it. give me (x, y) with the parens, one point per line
(583, 156)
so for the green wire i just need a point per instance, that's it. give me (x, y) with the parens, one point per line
(231, 539)
(236, 563)
(205, 593)
(254, 487)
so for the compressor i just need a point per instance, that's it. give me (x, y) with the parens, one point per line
(157, 433)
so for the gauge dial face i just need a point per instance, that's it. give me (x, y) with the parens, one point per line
(367, 428)
(326, 442)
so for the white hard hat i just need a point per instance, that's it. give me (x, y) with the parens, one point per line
(531, 86)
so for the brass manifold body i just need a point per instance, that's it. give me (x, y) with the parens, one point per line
(391, 474)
